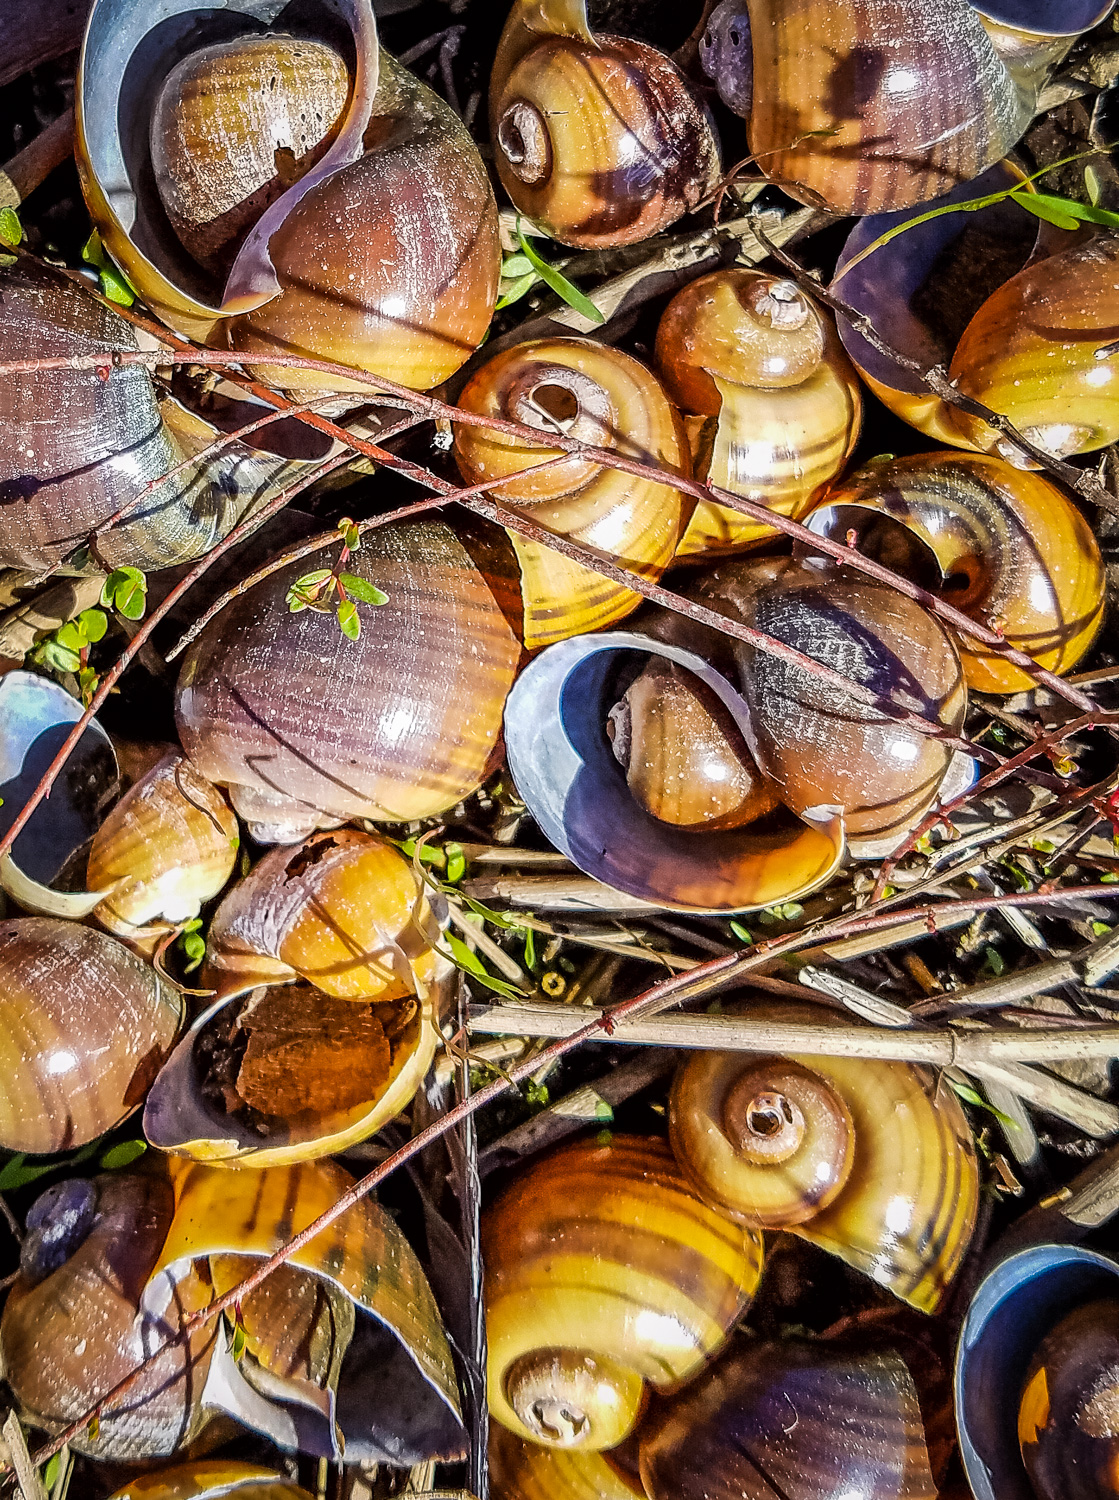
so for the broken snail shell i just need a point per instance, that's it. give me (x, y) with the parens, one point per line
(1010, 550)
(867, 105)
(598, 139)
(74, 1325)
(306, 728)
(355, 261)
(607, 399)
(168, 846)
(870, 1160)
(558, 723)
(84, 1026)
(751, 356)
(1037, 1366)
(604, 1271)
(731, 1434)
(347, 1349)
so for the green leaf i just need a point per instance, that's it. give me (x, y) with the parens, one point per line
(1100, 928)
(125, 589)
(966, 1092)
(456, 863)
(348, 622)
(741, 934)
(93, 624)
(515, 265)
(122, 1154)
(115, 287)
(603, 1113)
(994, 962)
(1052, 211)
(58, 658)
(351, 536)
(11, 230)
(530, 947)
(237, 1348)
(312, 580)
(558, 282)
(71, 636)
(537, 1094)
(464, 958)
(358, 588)
(50, 1472)
(518, 289)
(1092, 185)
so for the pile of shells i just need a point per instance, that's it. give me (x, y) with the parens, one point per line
(312, 779)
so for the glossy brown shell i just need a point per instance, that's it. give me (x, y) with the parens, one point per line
(606, 399)
(823, 748)
(791, 1420)
(599, 140)
(1014, 554)
(774, 401)
(911, 99)
(84, 1027)
(307, 728)
(212, 1479)
(71, 1337)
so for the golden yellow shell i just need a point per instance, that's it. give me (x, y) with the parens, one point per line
(211, 1479)
(527, 1471)
(1014, 553)
(607, 399)
(906, 1209)
(343, 911)
(604, 1271)
(774, 401)
(599, 140)
(169, 845)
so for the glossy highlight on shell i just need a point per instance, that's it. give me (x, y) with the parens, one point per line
(307, 728)
(870, 1160)
(84, 1027)
(598, 139)
(590, 1253)
(1013, 553)
(773, 404)
(606, 399)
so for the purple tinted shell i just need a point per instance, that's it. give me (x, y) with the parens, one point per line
(727, 56)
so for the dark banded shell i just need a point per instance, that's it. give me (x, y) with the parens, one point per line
(1014, 553)
(76, 446)
(604, 1271)
(599, 140)
(307, 728)
(84, 1028)
(910, 99)
(791, 1420)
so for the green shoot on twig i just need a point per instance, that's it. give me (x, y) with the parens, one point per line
(524, 270)
(66, 650)
(330, 590)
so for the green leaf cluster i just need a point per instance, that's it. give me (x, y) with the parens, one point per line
(65, 649)
(520, 273)
(126, 591)
(115, 285)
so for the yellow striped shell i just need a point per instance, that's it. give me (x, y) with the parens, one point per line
(212, 1479)
(608, 400)
(604, 1271)
(526, 1471)
(169, 845)
(905, 1207)
(773, 400)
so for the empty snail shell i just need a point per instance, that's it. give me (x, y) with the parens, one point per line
(1005, 1409)
(212, 1479)
(84, 1026)
(1031, 36)
(306, 728)
(79, 445)
(384, 1385)
(558, 724)
(793, 1419)
(604, 1271)
(235, 124)
(1065, 1425)
(870, 1160)
(755, 352)
(344, 911)
(869, 104)
(1012, 552)
(356, 261)
(36, 715)
(608, 400)
(686, 760)
(825, 750)
(527, 1471)
(73, 1325)
(169, 845)
(598, 139)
